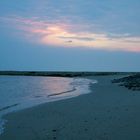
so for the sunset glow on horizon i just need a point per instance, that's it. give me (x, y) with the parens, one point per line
(70, 35)
(60, 35)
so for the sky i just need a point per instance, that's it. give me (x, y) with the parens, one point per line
(70, 35)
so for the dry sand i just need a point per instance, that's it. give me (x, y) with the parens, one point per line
(109, 112)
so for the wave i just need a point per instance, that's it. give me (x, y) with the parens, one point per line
(9, 106)
(68, 88)
(54, 94)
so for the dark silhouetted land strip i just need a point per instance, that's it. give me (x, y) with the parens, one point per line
(61, 74)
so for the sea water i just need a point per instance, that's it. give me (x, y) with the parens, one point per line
(20, 92)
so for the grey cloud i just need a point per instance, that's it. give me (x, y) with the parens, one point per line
(78, 38)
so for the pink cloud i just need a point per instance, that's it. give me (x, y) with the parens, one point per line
(59, 34)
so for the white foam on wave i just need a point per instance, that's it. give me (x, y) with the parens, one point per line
(82, 85)
(2, 123)
(78, 86)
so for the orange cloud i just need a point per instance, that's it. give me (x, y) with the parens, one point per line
(60, 34)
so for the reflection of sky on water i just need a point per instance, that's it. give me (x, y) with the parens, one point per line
(21, 88)
(54, 85)
(19, 92)
(32, 90)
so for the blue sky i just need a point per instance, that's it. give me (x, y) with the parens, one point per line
(70, 35)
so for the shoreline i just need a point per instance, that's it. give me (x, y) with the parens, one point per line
(77, 87)
(108, 112)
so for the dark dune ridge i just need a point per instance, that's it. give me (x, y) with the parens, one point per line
(131, 82)
(61, 74)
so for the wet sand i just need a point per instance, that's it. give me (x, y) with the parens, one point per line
(109, 112)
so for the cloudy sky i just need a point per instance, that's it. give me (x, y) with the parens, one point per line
(70, 35)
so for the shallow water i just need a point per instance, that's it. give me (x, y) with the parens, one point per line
(19, 92)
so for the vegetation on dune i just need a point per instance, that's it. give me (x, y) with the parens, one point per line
(131, 82)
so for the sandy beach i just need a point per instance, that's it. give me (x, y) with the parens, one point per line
(109, 112)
